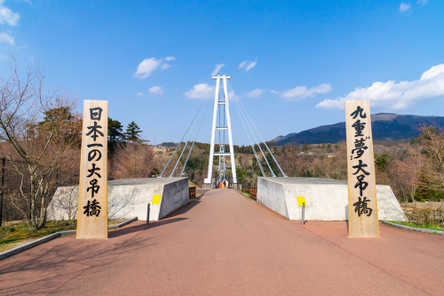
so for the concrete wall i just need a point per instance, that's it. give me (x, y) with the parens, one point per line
(127, 198)
(176, 195)
(325, 199)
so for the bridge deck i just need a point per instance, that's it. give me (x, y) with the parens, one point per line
(226, 244)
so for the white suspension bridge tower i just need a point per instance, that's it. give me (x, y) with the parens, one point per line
(221, 125)
(222, 131)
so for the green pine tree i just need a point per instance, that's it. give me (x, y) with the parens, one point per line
(133, 132)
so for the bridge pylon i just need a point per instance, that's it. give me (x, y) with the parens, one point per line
(222, 127)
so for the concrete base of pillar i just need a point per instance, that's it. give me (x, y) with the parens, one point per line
(127, 198)
(207, 186)
(326, 199)
(236, 186)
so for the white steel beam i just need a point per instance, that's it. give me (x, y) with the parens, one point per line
(230, 137)
(213, 132)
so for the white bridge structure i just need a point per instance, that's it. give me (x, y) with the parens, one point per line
(222, 139)
(221, 127)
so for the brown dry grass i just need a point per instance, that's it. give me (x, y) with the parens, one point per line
(425, 213)
(432, 205)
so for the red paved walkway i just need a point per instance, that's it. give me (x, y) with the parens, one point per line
(226, 244)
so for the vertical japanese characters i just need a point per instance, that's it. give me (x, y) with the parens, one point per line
(361, 206)
(95, 150)
(92, 209)
(363, 218)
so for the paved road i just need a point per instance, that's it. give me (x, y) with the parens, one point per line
(226, 244)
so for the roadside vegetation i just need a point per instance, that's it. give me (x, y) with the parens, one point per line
(16, 233)
(425, 225)
(424, 215)
(40, 137)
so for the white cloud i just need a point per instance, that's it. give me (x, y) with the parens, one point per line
(250, 66)
(6, 38)
(247, 66)
(199, 91)
(148, 66)
(7, 16)
(303, 92)
(255, 93)
(395, 95)
(404, 7)
(422, 2)
(139, 94)
(217, 69)
(331, 104)
(156, 90)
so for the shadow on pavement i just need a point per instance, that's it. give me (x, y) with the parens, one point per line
(127, 230)
(201, 191)
(185, 208)
(166, 222)
(167, 219)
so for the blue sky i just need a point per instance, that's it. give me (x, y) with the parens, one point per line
(292, 62)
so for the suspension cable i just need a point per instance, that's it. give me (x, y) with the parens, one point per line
(269, 151)
(258, 144)
(249, 139)
(211, 90)
(195, 137)
(189, 137)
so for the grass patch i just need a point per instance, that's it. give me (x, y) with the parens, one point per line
(16, 233)
(425, 226)
(244, 193)
(191, 184)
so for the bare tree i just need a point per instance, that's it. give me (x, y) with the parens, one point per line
(133, 160)
(41, 126)
(405, 173)
(432, 140)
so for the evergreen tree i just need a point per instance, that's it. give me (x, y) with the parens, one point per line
(133, 132)
(115, 135)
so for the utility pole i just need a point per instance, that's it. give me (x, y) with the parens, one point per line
(221, 126)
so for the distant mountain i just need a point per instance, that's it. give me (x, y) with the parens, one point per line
(385, 127)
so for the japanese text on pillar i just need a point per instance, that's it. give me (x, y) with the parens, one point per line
(360, 147)
(94, 151)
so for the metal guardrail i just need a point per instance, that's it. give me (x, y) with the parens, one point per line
(192, 192)
(253, 193)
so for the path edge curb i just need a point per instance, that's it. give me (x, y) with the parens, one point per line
(52, 236)
(425, 230)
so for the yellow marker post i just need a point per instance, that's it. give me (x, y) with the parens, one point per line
(301, 202)
(156, 198)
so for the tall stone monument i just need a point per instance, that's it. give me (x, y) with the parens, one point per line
(92, 214)
(362, 202)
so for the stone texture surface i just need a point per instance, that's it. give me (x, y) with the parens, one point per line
(326, 199)
(127, 198)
